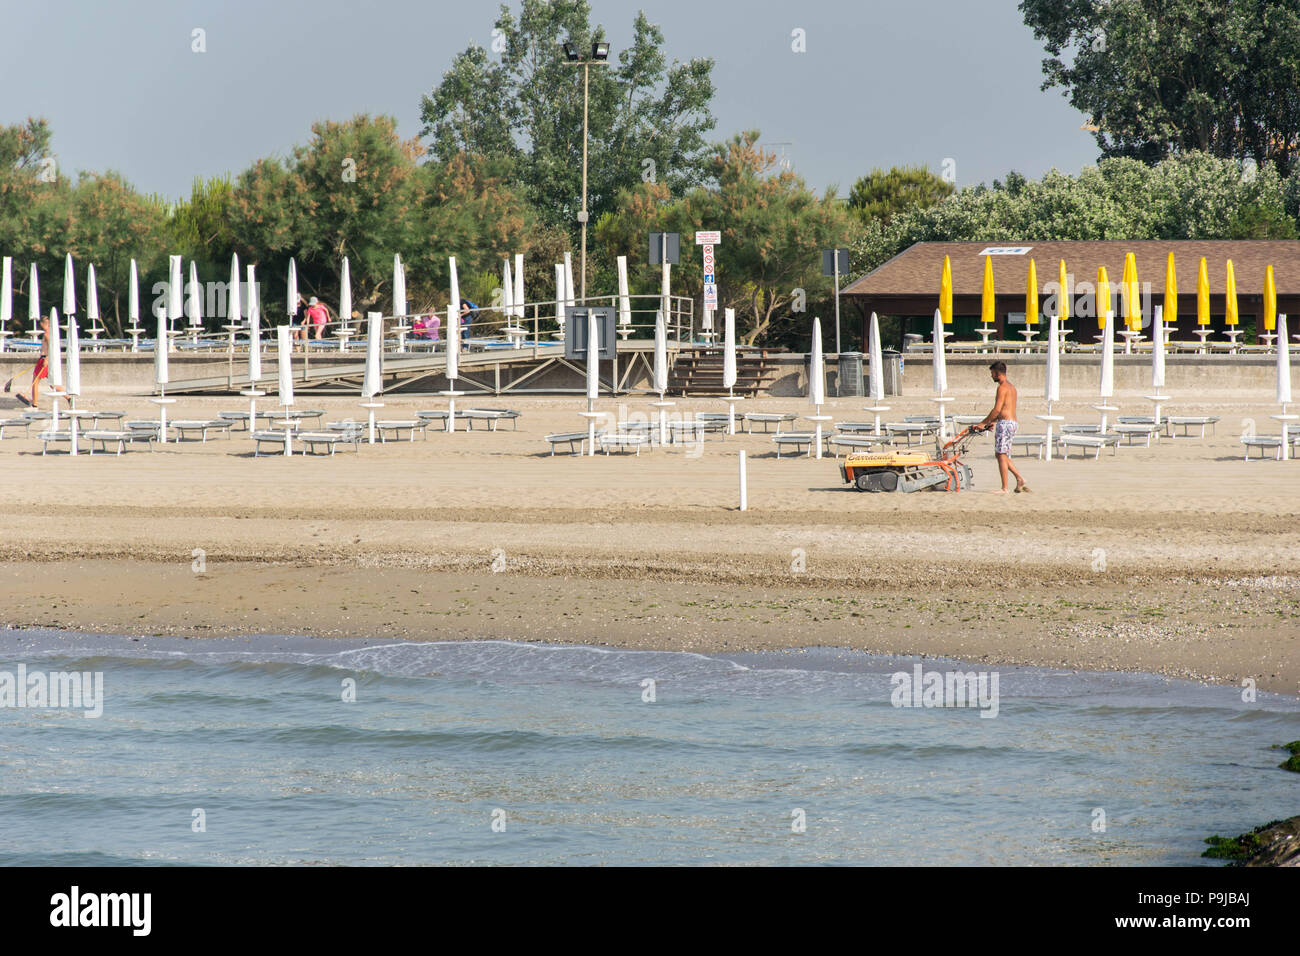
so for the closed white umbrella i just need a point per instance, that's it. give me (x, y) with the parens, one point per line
(55, 360)
(284, 356)
(284, 343)
(664, 294)
(399, 286)
(568, 280)
(6, 297)
(519, 287)
(939, 368)
(560, 295)
(160, 352)
(345, 296)
(1052, 377)
(69, 286)
(876, 372)
(73, 384)
(175, 283)
(254, 335)
(1157, 365)
(292, 297)
(34, 301)
(817, 385)
(624, 295)
(593, 378)
(373, 381)
(1283, 364)
(195, 298)
(729, 366)
(1284, 381)
(133, 306)
(508, 293)
(234, 301)
(92, 298)
(660, 383)
(453, 344)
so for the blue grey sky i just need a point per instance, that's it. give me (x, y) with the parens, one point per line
(880, 83)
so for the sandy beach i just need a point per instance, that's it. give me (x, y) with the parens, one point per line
(1180, 559)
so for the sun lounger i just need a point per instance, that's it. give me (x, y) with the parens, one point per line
(102, 437)
(149, 427)
(438, 415)
(911, 430)
(498, 414)
(202, 426)
(687, 430)
(1085, 442)
(799, 440)
(61, 435)
(312, 442)
(1029, 441)
(1083, 428)
(857, 428)
(268, 436)
(852, 442)
(1145, 420)
(395, 427)
(1261, 442)
(99, 417)
(1131, 433)
(622, 441)
(765, 419)
(238, 418)
(576, 441)
(1186, 422)
(24, 423)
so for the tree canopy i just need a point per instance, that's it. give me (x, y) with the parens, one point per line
(1160, 77)
(882, 194)
(647, 118)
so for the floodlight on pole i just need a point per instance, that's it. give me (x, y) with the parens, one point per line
(599, 57)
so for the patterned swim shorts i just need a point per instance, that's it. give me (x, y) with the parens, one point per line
(1003, 432)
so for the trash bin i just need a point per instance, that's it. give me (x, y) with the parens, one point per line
(850, 375)
(892, 367)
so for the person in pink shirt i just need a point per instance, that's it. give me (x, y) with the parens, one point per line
(317, 315)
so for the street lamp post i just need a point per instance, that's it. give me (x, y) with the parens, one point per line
(599, 57)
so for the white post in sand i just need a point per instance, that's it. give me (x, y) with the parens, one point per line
(940, 374)
(73, 385)
(729, 368)
(744, 484)
(593, 381)
(252, 393)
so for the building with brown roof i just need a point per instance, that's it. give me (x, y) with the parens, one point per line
(907, 285)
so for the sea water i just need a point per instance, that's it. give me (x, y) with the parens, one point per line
(284, 750)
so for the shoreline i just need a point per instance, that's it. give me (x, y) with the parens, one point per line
(1105, 633)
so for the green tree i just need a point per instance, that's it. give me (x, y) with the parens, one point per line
(647, 119)
(882, 194)
(773, 230)
(1160, 77)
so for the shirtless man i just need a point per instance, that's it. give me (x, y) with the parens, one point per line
(40, 371)
(1003, 422)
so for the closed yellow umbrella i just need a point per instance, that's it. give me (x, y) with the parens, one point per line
(1031, 296)
(945, 292)
(1203, 294)
(1103, 296)
(1270, 301)
(987, 302)
(1063, 299)
(1132, 297)
(1171, 293)
(1230, 298)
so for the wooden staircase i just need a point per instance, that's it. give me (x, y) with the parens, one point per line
(698, 372)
